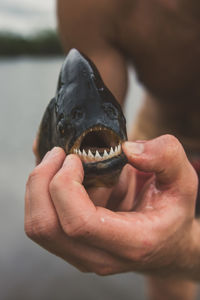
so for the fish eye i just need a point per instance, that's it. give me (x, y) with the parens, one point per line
(76, 114)
(110, 110)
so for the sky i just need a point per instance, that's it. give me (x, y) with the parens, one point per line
(27, 16)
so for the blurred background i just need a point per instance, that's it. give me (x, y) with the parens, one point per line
(30, 60)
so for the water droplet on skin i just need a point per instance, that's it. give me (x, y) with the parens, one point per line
(102, 220)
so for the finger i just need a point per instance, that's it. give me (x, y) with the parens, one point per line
(42, 225)
(128, 235)
(128, 201)
(82, 256)
(141, 179)
(123, 194)
(164, 156)
(40, 215)
(67, 184)
(88, 258)
(37, 190)
(100, 195)
(97, 226)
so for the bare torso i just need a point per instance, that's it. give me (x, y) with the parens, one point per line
(161, 38)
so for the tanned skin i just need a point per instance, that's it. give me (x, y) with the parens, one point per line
(161, 39)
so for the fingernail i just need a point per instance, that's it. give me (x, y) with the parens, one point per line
(68, 161)
(46, 155)
(135, 147)
(51, 153)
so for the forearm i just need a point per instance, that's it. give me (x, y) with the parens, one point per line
(95, 39)
(171, 289)
(190, 266)
(182, 285)
(147, 123)
(186, 260)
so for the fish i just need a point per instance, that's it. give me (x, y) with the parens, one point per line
(85, 119)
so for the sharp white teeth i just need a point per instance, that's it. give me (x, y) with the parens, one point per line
(89, 157)
(90, 154)
(97, 155)
(111, 151)
(105, 154)
(84, 153)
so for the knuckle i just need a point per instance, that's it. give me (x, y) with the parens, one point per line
(142, 254)
(34, 175)
(57, 183)
(171, 139)
(193, 182)
(174, 147)
(41, 228)
(28, 229)
(194, 178)
(140, 257)
(76, 227)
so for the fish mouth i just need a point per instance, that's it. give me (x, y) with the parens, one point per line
(97, 144)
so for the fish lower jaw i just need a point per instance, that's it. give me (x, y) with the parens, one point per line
(88, 156)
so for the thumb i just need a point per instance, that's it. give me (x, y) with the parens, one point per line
(163, 156)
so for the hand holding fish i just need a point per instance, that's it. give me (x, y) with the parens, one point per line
(153, 233)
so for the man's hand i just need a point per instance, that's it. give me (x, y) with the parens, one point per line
(150, 231)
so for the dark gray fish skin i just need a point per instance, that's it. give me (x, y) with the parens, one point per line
(83, 104)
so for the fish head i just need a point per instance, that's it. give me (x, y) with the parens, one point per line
(90, 121)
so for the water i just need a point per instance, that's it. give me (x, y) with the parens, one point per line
(26, 270)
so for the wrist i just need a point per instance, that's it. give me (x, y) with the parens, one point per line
(189, 264)
(194, 266)
(185, 264)
(170, 288)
